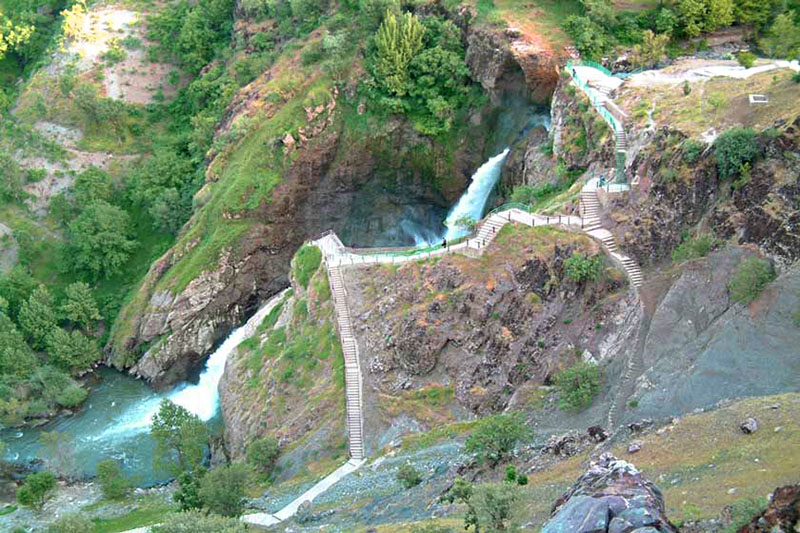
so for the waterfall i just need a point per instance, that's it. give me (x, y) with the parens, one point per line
(472, 203)
(201, 398)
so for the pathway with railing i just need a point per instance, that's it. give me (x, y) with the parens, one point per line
(598, 83)
(338, 257)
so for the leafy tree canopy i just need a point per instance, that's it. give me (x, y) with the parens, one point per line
(100, 240)
(180, 437)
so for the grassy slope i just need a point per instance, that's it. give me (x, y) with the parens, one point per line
(292, 375)
(721, 103)
(701, 463)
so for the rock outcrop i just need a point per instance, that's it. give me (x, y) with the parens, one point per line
(507, 62)
(674, 196)
(612, 496)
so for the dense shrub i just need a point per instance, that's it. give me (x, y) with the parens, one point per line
(746, 59)
(734, 148)
(113, 483)
(188, 493)
(306, 262)
(751, 276)
(693, 248)
(72, 396)
(36, 489)
(692, 150)
(408, 476)
(494, 437)
(577, 386)
(262, 454)
(580, 267)
(417, 68)
(198, 522)
(222, 490)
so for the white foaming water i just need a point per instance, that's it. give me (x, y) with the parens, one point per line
(202, 398)
(471, 204)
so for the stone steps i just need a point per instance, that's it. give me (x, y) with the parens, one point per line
(353, 397)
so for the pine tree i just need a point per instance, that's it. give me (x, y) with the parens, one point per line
(37, 317)
(398, 40)
(79, 305)
(783, 39)
(720, 14)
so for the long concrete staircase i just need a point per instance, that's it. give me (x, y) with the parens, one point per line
(352, 369)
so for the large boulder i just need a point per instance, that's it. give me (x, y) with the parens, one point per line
(612, 496)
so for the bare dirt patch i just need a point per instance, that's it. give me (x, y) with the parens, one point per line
(61, 174)
(134, 79)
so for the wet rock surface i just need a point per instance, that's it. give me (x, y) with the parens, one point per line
(612, 496)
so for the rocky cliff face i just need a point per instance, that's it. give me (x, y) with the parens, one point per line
(165, 332)
(479, 328)
(578, 140)
(287, 381)
(696, 344)
(675, 195)
(506, 63)
(355, 182)
(612, 496)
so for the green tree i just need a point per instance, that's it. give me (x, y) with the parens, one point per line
(439, 88)
(164, 185)
(36, 489)
(692, 16)
(13, 35)
(462, 491)
(494, 437)
(16, 287)
(100, 240)
(733, 149)
(577, 386)
(198, 522)
(72, 350)
(38, 317)
(590, 38)
(262, 454)
(652, 49)
(188, 493)
(752, 12)
(92, 185)
(783, 37)
(222, 490)
(494, 505)
(79, 305)
(17, 362)
(719, 14)
(752, 275)
(113, 483)
(398, 41)
(180, 438)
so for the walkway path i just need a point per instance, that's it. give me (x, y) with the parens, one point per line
(730, 69)
(598, 84)
(337, 257)
(267, 519)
